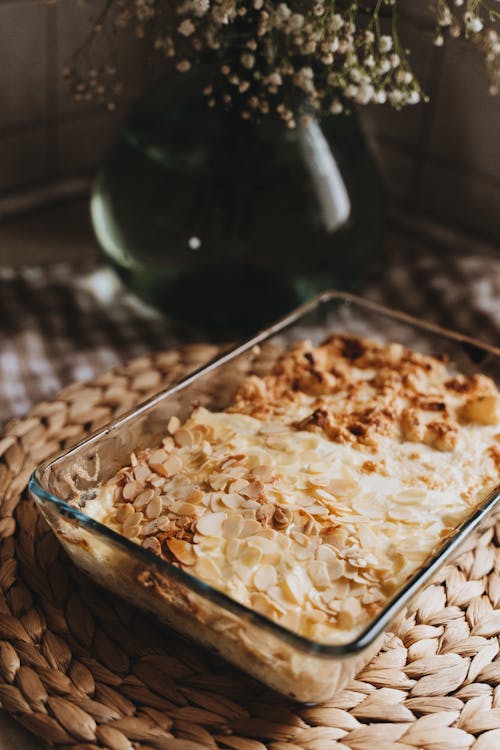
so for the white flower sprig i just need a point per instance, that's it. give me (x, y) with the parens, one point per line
(280, 57)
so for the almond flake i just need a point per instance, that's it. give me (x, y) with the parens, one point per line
(218, 481)
(152, 544)
(237, 485)
(183, 551)
(249, 556)
(173, 425)
(158, 524)
(132, 520)
(232, 527)
(264, 473)
(131, 489)
(132, 532)
(173, 465)
(265, 577)
(154, 508)
(182, 508)
(141, 473)
(233, 549)
(318, 573)
(124, 511)
(207, 569)
(211, 524)
(158, 457)
(250, 527)
(197, 496)
(266, 606)
(184, 438)
(254, 489)
(232, 500)
(293, 588)
(160, 469)
(216, 502)
(143, 498)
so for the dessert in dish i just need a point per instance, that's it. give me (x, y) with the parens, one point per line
(322, 488)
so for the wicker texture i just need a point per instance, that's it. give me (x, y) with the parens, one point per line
(81, 669)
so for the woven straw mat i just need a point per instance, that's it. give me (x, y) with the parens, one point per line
(81, 669)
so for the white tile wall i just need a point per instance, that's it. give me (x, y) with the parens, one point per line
(443, 157)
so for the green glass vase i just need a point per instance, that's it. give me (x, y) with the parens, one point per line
(226, 224)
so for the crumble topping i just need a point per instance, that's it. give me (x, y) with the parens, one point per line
(322, 488)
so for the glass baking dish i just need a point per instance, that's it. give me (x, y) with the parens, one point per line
(293, 665)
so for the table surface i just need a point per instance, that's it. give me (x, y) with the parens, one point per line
(428, 270)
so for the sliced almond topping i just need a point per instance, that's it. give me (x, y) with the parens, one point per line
(205, 448)
(183, 551)
(237, 485)
(232, 527)
(141, 473)
(161, 469)
(404, 514)
(265, 605)
(158, 524)
(293, 588)
(132, 532)
(218, 481)
(282, 517)
(184, 438)
(168, 443)
(318, 573)
(249, 556)
(250, 527)
(336, 569)
(232, 500)
(211, 524)
(343, 488)
(131, 489)
(143, 499)
(181, 492)
(265, 577)
(233, 549)
(154, 507)
(197, 496)
(250, 505)
(322, 494)
(173, 425)
(216, 503)
(182, 508)
(254, 489)
(173, 464)
(349, 612)
(152, 544)
(263, 472)
(207, 569)
(158, 457)
(269, 547)
(132, 520)
(124, 511)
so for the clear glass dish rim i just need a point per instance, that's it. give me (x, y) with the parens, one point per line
(205, 590)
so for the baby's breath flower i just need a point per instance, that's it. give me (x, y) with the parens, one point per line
(186, 28)
(291, 56)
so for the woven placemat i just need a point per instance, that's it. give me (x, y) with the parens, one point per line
(81, 669)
